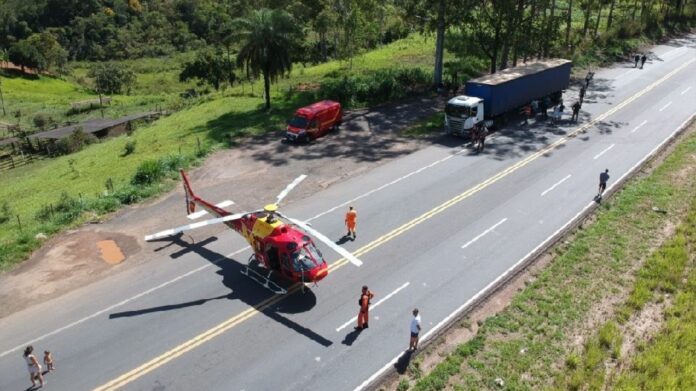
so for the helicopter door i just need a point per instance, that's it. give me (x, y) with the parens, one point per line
(273, 258)
(286, 265)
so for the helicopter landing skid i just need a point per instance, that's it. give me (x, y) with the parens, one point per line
(264, 281)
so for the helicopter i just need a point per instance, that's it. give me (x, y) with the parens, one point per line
(280, 244)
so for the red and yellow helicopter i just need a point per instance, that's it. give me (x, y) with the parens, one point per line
(280, 243)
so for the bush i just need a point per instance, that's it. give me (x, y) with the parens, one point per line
(148, 172)
(75, 142)
(378, 87)
(128, 148)
(5, 212)
(41, 121)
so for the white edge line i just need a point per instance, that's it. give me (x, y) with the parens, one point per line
(666, 106)
(684, 92)
(639, 126)
(513, 267)
(141, 294)
(126, 301)
(353, 319)
(483, 233)
(555, 185)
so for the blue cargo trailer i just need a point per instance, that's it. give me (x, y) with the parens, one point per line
(493, 95)
(515, 87)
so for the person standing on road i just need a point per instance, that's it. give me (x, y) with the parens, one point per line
(351, 219)
(415, 330)
(603, 178)
(636, 58)
(576, 111)
(642, 60)
(48, 361)
(33, 366)
(583, 90)
(364, 303)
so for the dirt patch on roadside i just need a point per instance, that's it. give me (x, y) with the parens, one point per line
(69, 260)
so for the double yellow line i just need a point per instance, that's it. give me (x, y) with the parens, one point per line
(247, 314)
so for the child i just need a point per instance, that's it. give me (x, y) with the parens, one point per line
(48, 360)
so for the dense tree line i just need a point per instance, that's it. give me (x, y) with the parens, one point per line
(45, 34)
(119, 29)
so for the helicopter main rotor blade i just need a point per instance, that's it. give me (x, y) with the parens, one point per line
(289, 187)
(319, 236)
(188, 227)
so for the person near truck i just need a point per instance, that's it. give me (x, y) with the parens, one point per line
(576, 111)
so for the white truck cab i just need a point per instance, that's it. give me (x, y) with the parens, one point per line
(462, 113)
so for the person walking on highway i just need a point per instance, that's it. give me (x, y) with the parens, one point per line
(364, 303)
(642, 60)
(33, 366)
(482, 133)
(576, 111)
(636, 58)
(603, 178)
(415, 330)
(583, 90)
(351, 218)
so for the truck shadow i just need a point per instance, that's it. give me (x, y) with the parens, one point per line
(241, 288)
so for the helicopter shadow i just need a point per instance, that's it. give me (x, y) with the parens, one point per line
(241, 288)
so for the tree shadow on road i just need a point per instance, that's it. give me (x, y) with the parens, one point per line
(242, 289)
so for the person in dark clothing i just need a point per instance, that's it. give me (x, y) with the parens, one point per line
(636, 58)
(582, 94)
(576, 111)
(642, 61)
(603, 178)
(588, 79)
(543, 108)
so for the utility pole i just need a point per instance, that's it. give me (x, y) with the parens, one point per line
(2, 100)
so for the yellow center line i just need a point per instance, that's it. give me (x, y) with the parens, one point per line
(248, 313)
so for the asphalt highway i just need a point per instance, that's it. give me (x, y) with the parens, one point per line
(435, 229)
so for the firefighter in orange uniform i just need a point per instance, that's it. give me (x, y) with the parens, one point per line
(364, 303)
(351, 217)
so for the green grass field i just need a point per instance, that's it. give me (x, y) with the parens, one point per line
(215, 121)
(532, 344)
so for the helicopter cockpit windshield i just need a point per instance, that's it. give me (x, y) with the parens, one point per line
(306, 257)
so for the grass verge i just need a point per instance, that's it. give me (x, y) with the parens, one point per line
(532, 344)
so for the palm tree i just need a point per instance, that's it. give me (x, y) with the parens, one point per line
(267, 37)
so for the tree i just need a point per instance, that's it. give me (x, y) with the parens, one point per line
(209, 67)
(110, 78)
(52, 52)
(25, 54)
(266, 37)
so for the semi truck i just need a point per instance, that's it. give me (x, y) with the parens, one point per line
(490, 99)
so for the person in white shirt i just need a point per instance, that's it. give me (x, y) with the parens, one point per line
(415, 330)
